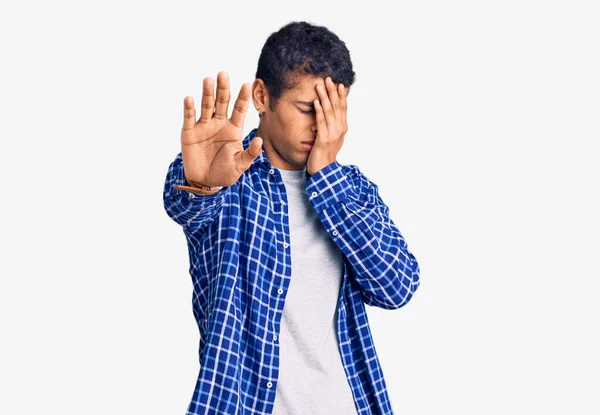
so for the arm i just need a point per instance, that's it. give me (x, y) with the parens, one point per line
(357, 219)
(188, 208)
(212, 153)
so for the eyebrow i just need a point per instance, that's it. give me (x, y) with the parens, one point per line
(307, 103)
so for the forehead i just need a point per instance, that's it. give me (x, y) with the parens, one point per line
(304, 87)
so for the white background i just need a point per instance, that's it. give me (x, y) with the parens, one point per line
(479, 121)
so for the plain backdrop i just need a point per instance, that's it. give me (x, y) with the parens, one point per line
(479, 121)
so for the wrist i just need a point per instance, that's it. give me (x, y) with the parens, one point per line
(199, 187)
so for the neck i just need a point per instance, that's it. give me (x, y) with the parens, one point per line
(262, 133)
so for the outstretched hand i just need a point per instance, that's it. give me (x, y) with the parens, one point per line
(211, 147)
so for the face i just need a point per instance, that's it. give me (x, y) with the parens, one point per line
(292, 123)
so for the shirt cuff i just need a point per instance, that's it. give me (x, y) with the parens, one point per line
(328, 186)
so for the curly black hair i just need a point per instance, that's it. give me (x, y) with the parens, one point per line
(302, 48)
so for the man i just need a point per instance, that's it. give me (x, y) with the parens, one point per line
(273, 220)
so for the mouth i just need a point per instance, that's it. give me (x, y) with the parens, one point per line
(307, 144)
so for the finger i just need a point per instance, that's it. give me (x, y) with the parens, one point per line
(325, 105)
(343, 93)
(241, 106)
(245, 158)
(332, 91)
(321, 123)
(189, 113)
(223, 95)
(208, 100)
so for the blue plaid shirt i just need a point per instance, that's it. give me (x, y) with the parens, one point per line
(240, 263)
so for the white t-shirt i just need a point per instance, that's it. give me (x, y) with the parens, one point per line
(311, 379)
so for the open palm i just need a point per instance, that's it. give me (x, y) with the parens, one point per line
(211, 147)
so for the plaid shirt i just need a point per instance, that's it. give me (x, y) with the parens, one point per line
(240, 263)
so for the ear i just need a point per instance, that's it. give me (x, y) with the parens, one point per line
(260, 95)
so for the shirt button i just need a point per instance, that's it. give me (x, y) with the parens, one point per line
(269, 384)
(335, 233)
(285, 245)
(313, 194)
(271, 171)
(274, 337)
(283, 202)
(192, 195)
(280, 291)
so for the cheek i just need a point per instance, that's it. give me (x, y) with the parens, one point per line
(294, 124)
(293, 121)
(302, 120)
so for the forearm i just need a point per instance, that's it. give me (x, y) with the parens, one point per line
(358, 222)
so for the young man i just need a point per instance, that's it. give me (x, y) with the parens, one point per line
(286, 245)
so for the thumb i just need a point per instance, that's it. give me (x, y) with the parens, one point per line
(246, 157)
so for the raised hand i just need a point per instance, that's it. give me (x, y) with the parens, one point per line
(211, 147)
(331, 109)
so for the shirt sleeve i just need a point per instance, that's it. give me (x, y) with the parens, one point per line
(189, 209)
(357, 219)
